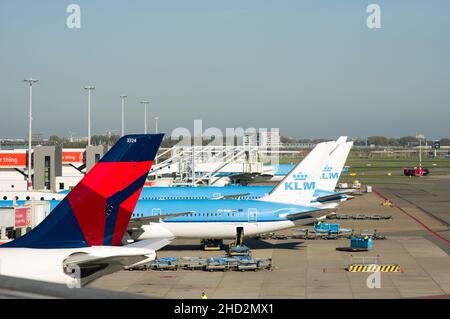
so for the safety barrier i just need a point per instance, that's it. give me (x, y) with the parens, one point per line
(373, 268)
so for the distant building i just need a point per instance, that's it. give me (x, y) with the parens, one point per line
(13, 140)
(53, 169)
(294, 146)
(79, 139)
(249, 140)
(266, 139)
(412, 144)
(269, 138)
(37, 138)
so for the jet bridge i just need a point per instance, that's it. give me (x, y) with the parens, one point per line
(208, 165)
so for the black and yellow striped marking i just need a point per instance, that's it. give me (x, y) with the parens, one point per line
(373, 268)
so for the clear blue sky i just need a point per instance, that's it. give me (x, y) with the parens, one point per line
(310, 68)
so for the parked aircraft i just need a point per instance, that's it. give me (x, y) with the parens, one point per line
(325, 188)
(80, 239)
(203, 211)
(288, 204)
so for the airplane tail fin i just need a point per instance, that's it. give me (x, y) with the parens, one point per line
(333, 167)
(97, 211)
(299, 185)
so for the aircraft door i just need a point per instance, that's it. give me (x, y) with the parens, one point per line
(252, 215)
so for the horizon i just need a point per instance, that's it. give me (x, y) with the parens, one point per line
(83, 138)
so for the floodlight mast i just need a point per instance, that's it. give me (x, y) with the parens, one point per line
(145, 114)
(89, 88)
(123, 97)
(30, 81)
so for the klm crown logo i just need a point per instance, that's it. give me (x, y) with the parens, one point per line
(300, 177)
(327, 168)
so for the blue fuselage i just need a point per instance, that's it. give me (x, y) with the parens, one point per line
(201, 192)
(210, 192)
(226, 210)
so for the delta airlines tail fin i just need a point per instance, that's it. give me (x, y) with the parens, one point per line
(334, 165)
(97, 211)
(299, 185)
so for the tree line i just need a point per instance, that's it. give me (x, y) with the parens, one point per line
(373, 140)
(95, 140)
(167, 142)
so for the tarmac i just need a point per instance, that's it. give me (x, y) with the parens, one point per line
(417, 240)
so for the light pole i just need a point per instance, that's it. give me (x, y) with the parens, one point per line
(156, 124)
(145, 115)
(156, 131)
(89, 88)
(420, 137)
(193, 163)
(30, 81)
(123, 97)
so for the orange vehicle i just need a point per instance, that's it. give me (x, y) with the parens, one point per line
(416, 171)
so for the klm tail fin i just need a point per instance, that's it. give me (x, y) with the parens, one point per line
(97, 211)
(334, 165)
(299, 185)
(341, 140)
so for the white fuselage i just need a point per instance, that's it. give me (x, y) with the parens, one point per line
(30, 195)
(212, 230)
(48, 264)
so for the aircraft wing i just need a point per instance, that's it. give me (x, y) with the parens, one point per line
(13, 287)
(231, 196)
(138, 222)
(325, 198)
(310, 213)
(87, 267)
(335, 196)
(154, 244)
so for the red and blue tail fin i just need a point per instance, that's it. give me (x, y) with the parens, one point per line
(97, 211)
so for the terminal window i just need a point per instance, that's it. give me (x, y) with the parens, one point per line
(47, 172)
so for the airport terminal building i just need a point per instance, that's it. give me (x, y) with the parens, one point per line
(52, 168)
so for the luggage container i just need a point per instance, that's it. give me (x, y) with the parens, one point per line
(217, 267)
(247, 266)
(320, 227)
(264, 263)
(192, 263)
(165, 263)
(361, 242)
(215, 264)
(358, 243)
